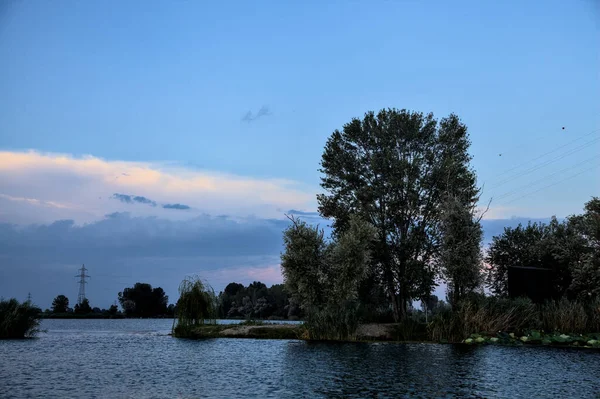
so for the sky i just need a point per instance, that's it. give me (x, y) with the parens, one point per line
(152, 140)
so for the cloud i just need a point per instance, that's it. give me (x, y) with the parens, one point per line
(176, 206)
(123, 198)
(263, 111)
(303, 213)
(40, 187)
(130, 199)
(120, 250)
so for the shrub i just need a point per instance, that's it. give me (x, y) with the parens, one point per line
(18, 320)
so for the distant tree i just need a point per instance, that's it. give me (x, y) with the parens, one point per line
(60, 304)
(233, 288)
(171, 310)
(97, 310)
(128, 307)
(460, 256)
(148, 301)
(113, 310)
(83, 308)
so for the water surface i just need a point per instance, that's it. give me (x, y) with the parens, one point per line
(137, 359)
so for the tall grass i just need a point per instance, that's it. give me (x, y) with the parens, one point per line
(335, 322)
(18, 320)
(485, 315)
(197, 305)
(571, 316)
(564, 316)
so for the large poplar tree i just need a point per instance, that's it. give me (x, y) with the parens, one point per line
(393, 170)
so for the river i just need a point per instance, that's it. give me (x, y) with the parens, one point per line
(138, 359)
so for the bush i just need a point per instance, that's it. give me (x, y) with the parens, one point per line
(18, 320)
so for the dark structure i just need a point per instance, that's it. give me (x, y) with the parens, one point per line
(532, 282)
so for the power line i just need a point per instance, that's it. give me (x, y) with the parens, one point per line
(508, 194)
(549, 185)
(82, 276)
(546, 163)
(547, 153)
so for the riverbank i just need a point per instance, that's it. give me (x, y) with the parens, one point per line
(390, 333)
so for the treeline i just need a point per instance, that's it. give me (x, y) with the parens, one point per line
(256, 302)
(403, 199)
(141, 300)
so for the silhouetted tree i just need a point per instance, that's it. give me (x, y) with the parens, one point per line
(147, 301)
(83, 308)
(60, 304)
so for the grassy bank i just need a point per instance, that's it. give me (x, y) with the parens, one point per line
(267, 331)
(18, 320)
(391, 333)
(486, 320)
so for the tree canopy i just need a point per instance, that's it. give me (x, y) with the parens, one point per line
(569, 249)
(60, 304)
(142, 300)
(393, 170)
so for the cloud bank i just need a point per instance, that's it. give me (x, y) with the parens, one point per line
(87, 188)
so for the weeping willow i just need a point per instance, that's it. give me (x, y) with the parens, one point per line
(197, 305)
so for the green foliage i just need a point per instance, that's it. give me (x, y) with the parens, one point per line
(325, 277)
(254, 301)
(586, 271)
(391, 169)
(18, 320)
(60, 304)
(197, 305)
(142, 300)
(571, 249)
(460, 248)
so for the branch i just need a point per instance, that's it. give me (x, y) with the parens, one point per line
(484, 212)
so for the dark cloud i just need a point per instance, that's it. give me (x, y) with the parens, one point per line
(146, 249)
(121, 250)
(144, 200)
(176, 206)
(249, 116)
(123, 198)
(130, 199)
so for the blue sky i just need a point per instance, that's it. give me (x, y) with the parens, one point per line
(225, 108)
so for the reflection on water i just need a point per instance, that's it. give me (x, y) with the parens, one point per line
(137, 358)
